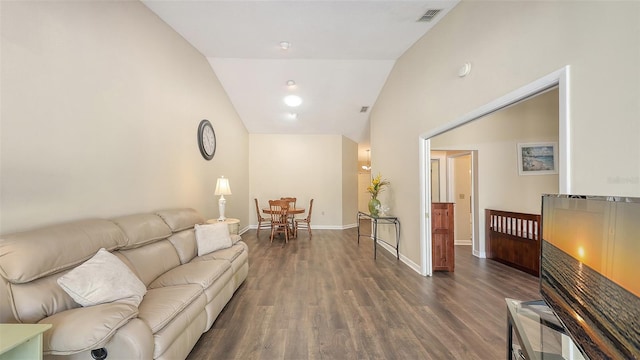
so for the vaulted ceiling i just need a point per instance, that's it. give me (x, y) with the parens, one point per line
(339, 56)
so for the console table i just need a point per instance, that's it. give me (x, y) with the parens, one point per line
(375, 220)
(539, 333)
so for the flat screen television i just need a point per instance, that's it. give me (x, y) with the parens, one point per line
(590, 271)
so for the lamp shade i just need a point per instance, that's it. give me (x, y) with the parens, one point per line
(222, 186)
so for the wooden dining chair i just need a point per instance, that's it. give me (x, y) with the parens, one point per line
(263, 222)
(291, 200)
(279, 218)
(292, 205)
(304, 223)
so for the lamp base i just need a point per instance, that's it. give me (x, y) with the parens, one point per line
(221, 205)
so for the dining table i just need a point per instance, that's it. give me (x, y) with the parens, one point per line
(291, 211)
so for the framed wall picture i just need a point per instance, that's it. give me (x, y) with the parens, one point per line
(538, 158)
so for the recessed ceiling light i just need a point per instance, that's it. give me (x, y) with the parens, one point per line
(284, 45)
(293, 100)
(291, 83)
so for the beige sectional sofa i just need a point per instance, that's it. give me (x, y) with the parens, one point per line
(184, 292)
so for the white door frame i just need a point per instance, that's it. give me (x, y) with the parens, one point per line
(558, 78)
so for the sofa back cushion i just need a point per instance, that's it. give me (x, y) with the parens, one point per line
(37, 253)
(181, 222)
(181, 219)
(142, 229)
(38, 299)
(150, 261)
(185, 243)
(31, 261)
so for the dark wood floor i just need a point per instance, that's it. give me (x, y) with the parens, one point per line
(327, 298)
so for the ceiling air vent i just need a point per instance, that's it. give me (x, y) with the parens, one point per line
(429, 15)
(364, 109)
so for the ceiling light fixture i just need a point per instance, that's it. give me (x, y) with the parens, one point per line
(285, 45)
(291, 83)
(367, 167)
(293, 116)
(293, 100)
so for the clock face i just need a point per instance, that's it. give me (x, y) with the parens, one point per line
(206, 139)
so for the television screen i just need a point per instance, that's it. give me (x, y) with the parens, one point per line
(590, 271)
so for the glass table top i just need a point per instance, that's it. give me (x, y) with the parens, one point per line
(539, 333)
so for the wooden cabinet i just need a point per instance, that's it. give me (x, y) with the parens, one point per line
(442, 237)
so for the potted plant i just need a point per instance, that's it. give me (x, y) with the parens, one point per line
(376, 187)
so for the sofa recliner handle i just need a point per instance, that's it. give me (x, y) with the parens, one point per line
(99, 354)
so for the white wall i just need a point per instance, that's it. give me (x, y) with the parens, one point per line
(305, 167)
(511, 44)
(100, 107)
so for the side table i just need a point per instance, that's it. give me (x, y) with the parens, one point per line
(21, 341)
(375, 220)
(234, 224)
(539, 333)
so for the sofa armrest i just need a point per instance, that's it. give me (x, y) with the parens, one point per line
(85, 328)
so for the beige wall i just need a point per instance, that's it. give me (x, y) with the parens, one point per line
(462, 188)
(321, 167)
(364, 180)
(511, 44)
(496, 136)
(100, 107)
(349, 182)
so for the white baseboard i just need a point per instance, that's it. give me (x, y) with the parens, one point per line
(480, 254)
(415, 267)
(313, 227)
(462, 242)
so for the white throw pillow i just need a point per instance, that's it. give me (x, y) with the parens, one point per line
(212, 237)
(103, 278)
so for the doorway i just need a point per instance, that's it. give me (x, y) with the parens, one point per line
(461, 194)
(559, 79)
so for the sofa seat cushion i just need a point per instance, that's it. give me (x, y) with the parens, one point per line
(203, 273)
(161, 305)
(87, 328)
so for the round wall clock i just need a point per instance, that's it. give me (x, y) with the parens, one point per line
(206, 139)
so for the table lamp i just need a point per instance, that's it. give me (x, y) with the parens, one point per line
(222, 189)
